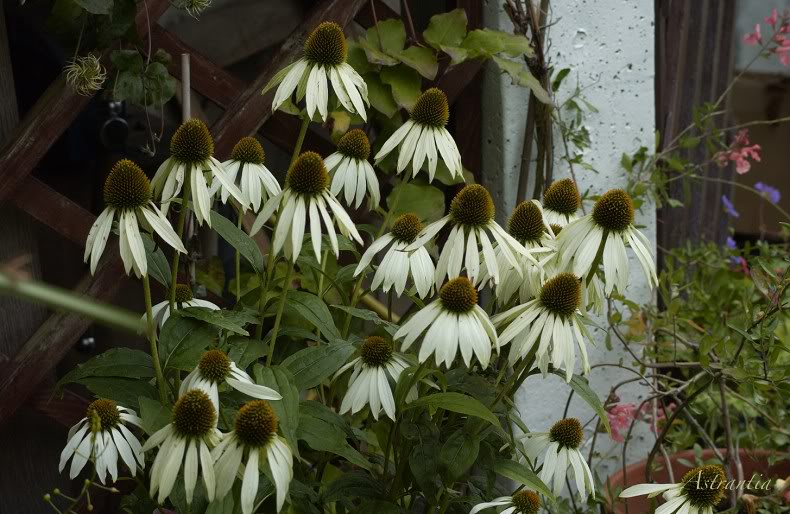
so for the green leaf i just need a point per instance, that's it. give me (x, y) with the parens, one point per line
(116, 362)
(456, 53)
(487, 43)
(160, 87)
(211, 273)
(287, 409)
(183, 340)
(154, 415)
(446, 29)
(389, 36)
(376, 56)
(212, 317)
(380, 95)
(358, 60)
(421, 59)
(125, 391)
(456, 402)
(245, 350)
(127, 60)
(96, 6)
(555, 84)
(314, 364)
(313, 310)
(427, 202)
(424, 464)
(158, 267)
(582, 388)
(521, 76)
(405, 84)
(458, 454)
(368, 316)
(238, 239)
(325, 437)
(523, 475)
(355, 484)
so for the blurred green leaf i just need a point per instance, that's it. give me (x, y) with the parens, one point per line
(238, 239)
(183, 340)
(380, 95)
(521, 474)
(96, 6)
(315, 364)
(405, 84)
(521, 76)
(446, 29)
(456, 402)
(421, 59)
(458, 454)
(426, 201)
(313, 310)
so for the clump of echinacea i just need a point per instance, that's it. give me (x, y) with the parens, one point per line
(127, 198)
(351, 172)
(602, 236)
(255, 441)
(398, 265)
(246, 166)
(699, 492)
(425, 137)
(561, 200)
(216, 368)
(85, 74)
(191, 155)
(322, 63)
(472, 219)
(454, 321)
(184, 298)
(184, 445)
(521, 502)
(369, 383)
(302, 205)
(560, 449)
(102, 436)
(552, 321)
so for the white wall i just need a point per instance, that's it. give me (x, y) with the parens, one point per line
(609, 46)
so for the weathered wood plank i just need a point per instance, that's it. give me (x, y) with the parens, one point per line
(54, 210)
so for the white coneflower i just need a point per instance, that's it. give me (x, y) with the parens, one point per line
(127, 195)
(101, 436)
(191, 153)
(305, 197)
(368, 384)
(85, 74)
(214, 368)
(351, 172)
(185, 443)
(606, 232)
(561, 446)
(553, 320)
(700, 491)
(452, 321)
(472, 217)
(254, 435)
(398, 264)
(184, 298)
(522, 502)
(560, 203)
(424, 137)
(323, 63)
(256, 182)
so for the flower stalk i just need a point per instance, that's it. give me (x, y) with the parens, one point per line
(182, 216)
(151, 332)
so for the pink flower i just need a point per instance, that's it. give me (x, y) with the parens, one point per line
(754, 38)
(739, 152)
(621, 415)
(773, 18)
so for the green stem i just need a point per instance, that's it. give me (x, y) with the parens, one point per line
(240, 218)
(182, 216)
(598, 258)
(279, 316)
(160, 377)
(300, 139)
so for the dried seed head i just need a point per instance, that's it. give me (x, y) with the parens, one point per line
(562, 196)
(376, 351)
(472, 206)
(248, 149)
(354, 143)
(308, 175)
(126, 186)
(407, 227)
(183, 293)
(256, 423)
(193, 7)
(194, 415)
(567, 432)
(431, 108)
(192, 142)
(561, 294)
(614, 210)
(85, 75)
(214, 365)
(106, 411)
(705, 486)
(458, 295)
(326, 45)
(526, 222)
(526, 502)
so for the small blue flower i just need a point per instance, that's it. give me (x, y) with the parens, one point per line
(731, 243)
(729, 208)
(771, 193)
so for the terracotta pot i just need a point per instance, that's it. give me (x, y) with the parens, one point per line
(755, 462)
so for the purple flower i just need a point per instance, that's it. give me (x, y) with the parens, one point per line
(771, 193)
(731, 243)
(729, 208)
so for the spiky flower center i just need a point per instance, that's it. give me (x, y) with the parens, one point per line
(375, 351)
(85, 74)
(256, 423)
(431, 108)
(562, 196)
(556, 229)
(354, 143)
(183, 293)
(567, 432)
(526, 502)
(193, 414)
(614, 210)
(407, 227)
(107, 413)
(526, 222)
(214, 365)
(192, 142)
(458, 295)
(308, 175)
(561, 294)
(326, 45)
(705, 486)
(472, 206)
(126, 186)
(248, 149)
